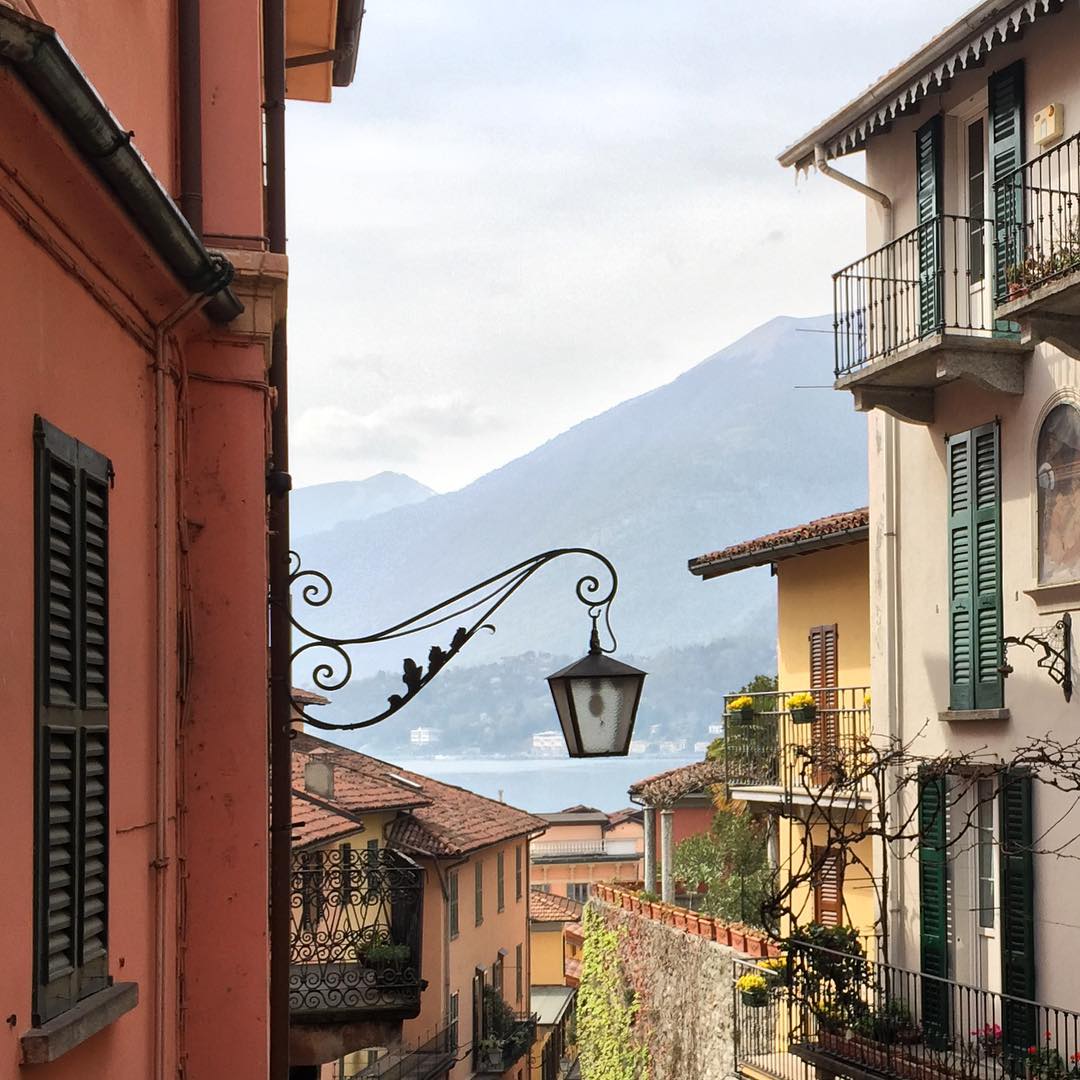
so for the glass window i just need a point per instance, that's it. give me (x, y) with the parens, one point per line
(500, 882)
(984, 831)
(1057, 473)
(479, 892)
(452, 885)
(976, 201)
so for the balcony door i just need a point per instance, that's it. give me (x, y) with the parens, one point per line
(973, 251)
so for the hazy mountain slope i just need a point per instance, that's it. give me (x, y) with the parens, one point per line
(322, 506)
(727, 451)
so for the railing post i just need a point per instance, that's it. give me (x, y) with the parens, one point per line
(650, 849)
(667, 855)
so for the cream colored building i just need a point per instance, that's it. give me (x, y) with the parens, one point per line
(958, 334)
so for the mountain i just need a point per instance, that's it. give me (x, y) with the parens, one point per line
(320, 507)
(731, 449)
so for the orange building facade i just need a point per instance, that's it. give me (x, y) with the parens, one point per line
(139, 299)
(462, 1008)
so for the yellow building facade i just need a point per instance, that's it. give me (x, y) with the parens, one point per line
(782, 758)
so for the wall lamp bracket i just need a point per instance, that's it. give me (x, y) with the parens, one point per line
(1055, 645)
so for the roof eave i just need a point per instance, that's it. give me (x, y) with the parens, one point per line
(706, 569)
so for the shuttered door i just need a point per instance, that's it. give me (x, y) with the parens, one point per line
(933, 906)
(928, 186)
(1017, 912)
(71, 663)
(828, 887)
(1006, 100)
(824, 675)
(974, 542)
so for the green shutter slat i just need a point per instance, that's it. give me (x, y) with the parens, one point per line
(928, 163)
(1017, 911)
(961, 660)
(986, 582)
(1006, 105)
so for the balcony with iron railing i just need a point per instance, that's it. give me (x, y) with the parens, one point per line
(774, 751)
(584, 850)
(918, 312)
(504, 1045)
(851, 1016)
(424, 1061)
(356, 936)
(1038, 235)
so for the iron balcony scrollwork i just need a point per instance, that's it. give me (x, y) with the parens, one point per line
(475, 605)
(356, 934)
(1055, 644)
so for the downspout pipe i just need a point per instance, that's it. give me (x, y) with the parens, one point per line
(44, 64)
(190, 87)
(821, 163)
(278, 485)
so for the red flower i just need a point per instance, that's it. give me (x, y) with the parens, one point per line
(1033, 1049)
(1048, 1034)
(1076, 1056)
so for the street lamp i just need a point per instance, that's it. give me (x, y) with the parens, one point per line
(596, 697)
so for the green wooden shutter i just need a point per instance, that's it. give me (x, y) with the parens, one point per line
(933, 905)
(974, 544)
(928, 185)
(71, 664)
(1006, 99)
(1017, 912)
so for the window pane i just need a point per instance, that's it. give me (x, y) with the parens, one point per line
(1058, 467)
(976, 200)
(984, 829)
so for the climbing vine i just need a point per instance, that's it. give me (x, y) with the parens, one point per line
(608, 1041)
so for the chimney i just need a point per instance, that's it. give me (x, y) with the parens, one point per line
(319, 775)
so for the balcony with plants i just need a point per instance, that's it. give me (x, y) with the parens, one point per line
(356, 936)
(504, 1036)
(796, 743)
(1038, 236)
(918, 312)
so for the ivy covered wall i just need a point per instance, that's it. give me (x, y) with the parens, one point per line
(654, 1003)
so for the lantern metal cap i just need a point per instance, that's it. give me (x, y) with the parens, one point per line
(596, 665)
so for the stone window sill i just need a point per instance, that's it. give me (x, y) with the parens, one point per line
(43, 1044)
(1051, 598)
(954, 716)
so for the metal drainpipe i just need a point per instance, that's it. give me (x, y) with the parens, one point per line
(190, 94)
(821, 162)
(278, 484)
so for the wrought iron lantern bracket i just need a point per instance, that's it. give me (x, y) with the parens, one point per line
(474, 605)
(1055, 644)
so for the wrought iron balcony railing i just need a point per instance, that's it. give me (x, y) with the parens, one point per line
(428, 1059)
(852, 1016)
(762, 1030)
(1037, 237)
(356, 934)
(498, 1050)
(771, 745)
(934, 279)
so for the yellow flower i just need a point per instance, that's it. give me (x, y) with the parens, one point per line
(738, 704)
(774, 964)
(866, 699)
(800, 700)
(751, 983)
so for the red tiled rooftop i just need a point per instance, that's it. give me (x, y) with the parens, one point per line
(437, 818)
(308, 697)
(846, 528)
(551, 907)
(667, 788)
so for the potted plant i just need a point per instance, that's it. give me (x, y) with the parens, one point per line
(707, 927)
(491, 1055)
(679, 915)
(742, 707)
(386, 956)
(737, 933)
(692, 924)
(802, 707)
(753, 989)
(721, 932)
(776, 968)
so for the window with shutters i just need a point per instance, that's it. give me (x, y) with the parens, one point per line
(974, 555)
(828, 887)
(518, 872)
(934, 903)
(479, 898)
(452, 889)
(72, 721)
(1005, 90)
(928, 186)
(824, 675)
(1057, 476)
(519, 985)
(500, 881)
(455, 1007)
(1017, 910)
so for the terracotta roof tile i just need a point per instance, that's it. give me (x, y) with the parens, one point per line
(573, 972)
(308, 697)
(437, 818)
(853, 525)
(620, 817)
(551, 907)
(667, 788)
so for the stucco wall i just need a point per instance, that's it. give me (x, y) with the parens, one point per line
(683, 984)
(547, 953)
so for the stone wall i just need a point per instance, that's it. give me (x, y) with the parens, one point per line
(683, 983)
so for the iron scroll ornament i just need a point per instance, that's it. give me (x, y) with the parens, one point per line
(485, 598)
(1055, 643)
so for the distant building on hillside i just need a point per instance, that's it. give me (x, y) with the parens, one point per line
(546, 742)
(716, 729)
(424, 736)
(583, 845)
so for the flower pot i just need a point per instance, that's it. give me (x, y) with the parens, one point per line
(680, 919)
(757, 947)
(803, 714)
(635, 905)
(746, 714)
(721, 932)
(692, 923)
(707, 927)
(627, 901)
(1016, 289)
(773, 949)
(738, 938)
(755, 999)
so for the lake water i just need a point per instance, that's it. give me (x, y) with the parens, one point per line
(545, 785)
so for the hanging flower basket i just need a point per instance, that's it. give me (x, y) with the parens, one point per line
(803, 708)
(742, 708)
(753, 989)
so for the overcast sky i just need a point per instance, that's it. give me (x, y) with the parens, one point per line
(521, 214)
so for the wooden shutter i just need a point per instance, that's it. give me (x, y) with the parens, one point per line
(928, 184)
(824, 675)
(828, 887)
(1006, 100)
(500, 881)
(933, 904)
(975, 680)
(1017, 911)
(452, 885)
(72, 692)
(479, 874)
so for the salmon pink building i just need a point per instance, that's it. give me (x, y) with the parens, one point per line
(142, 293)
